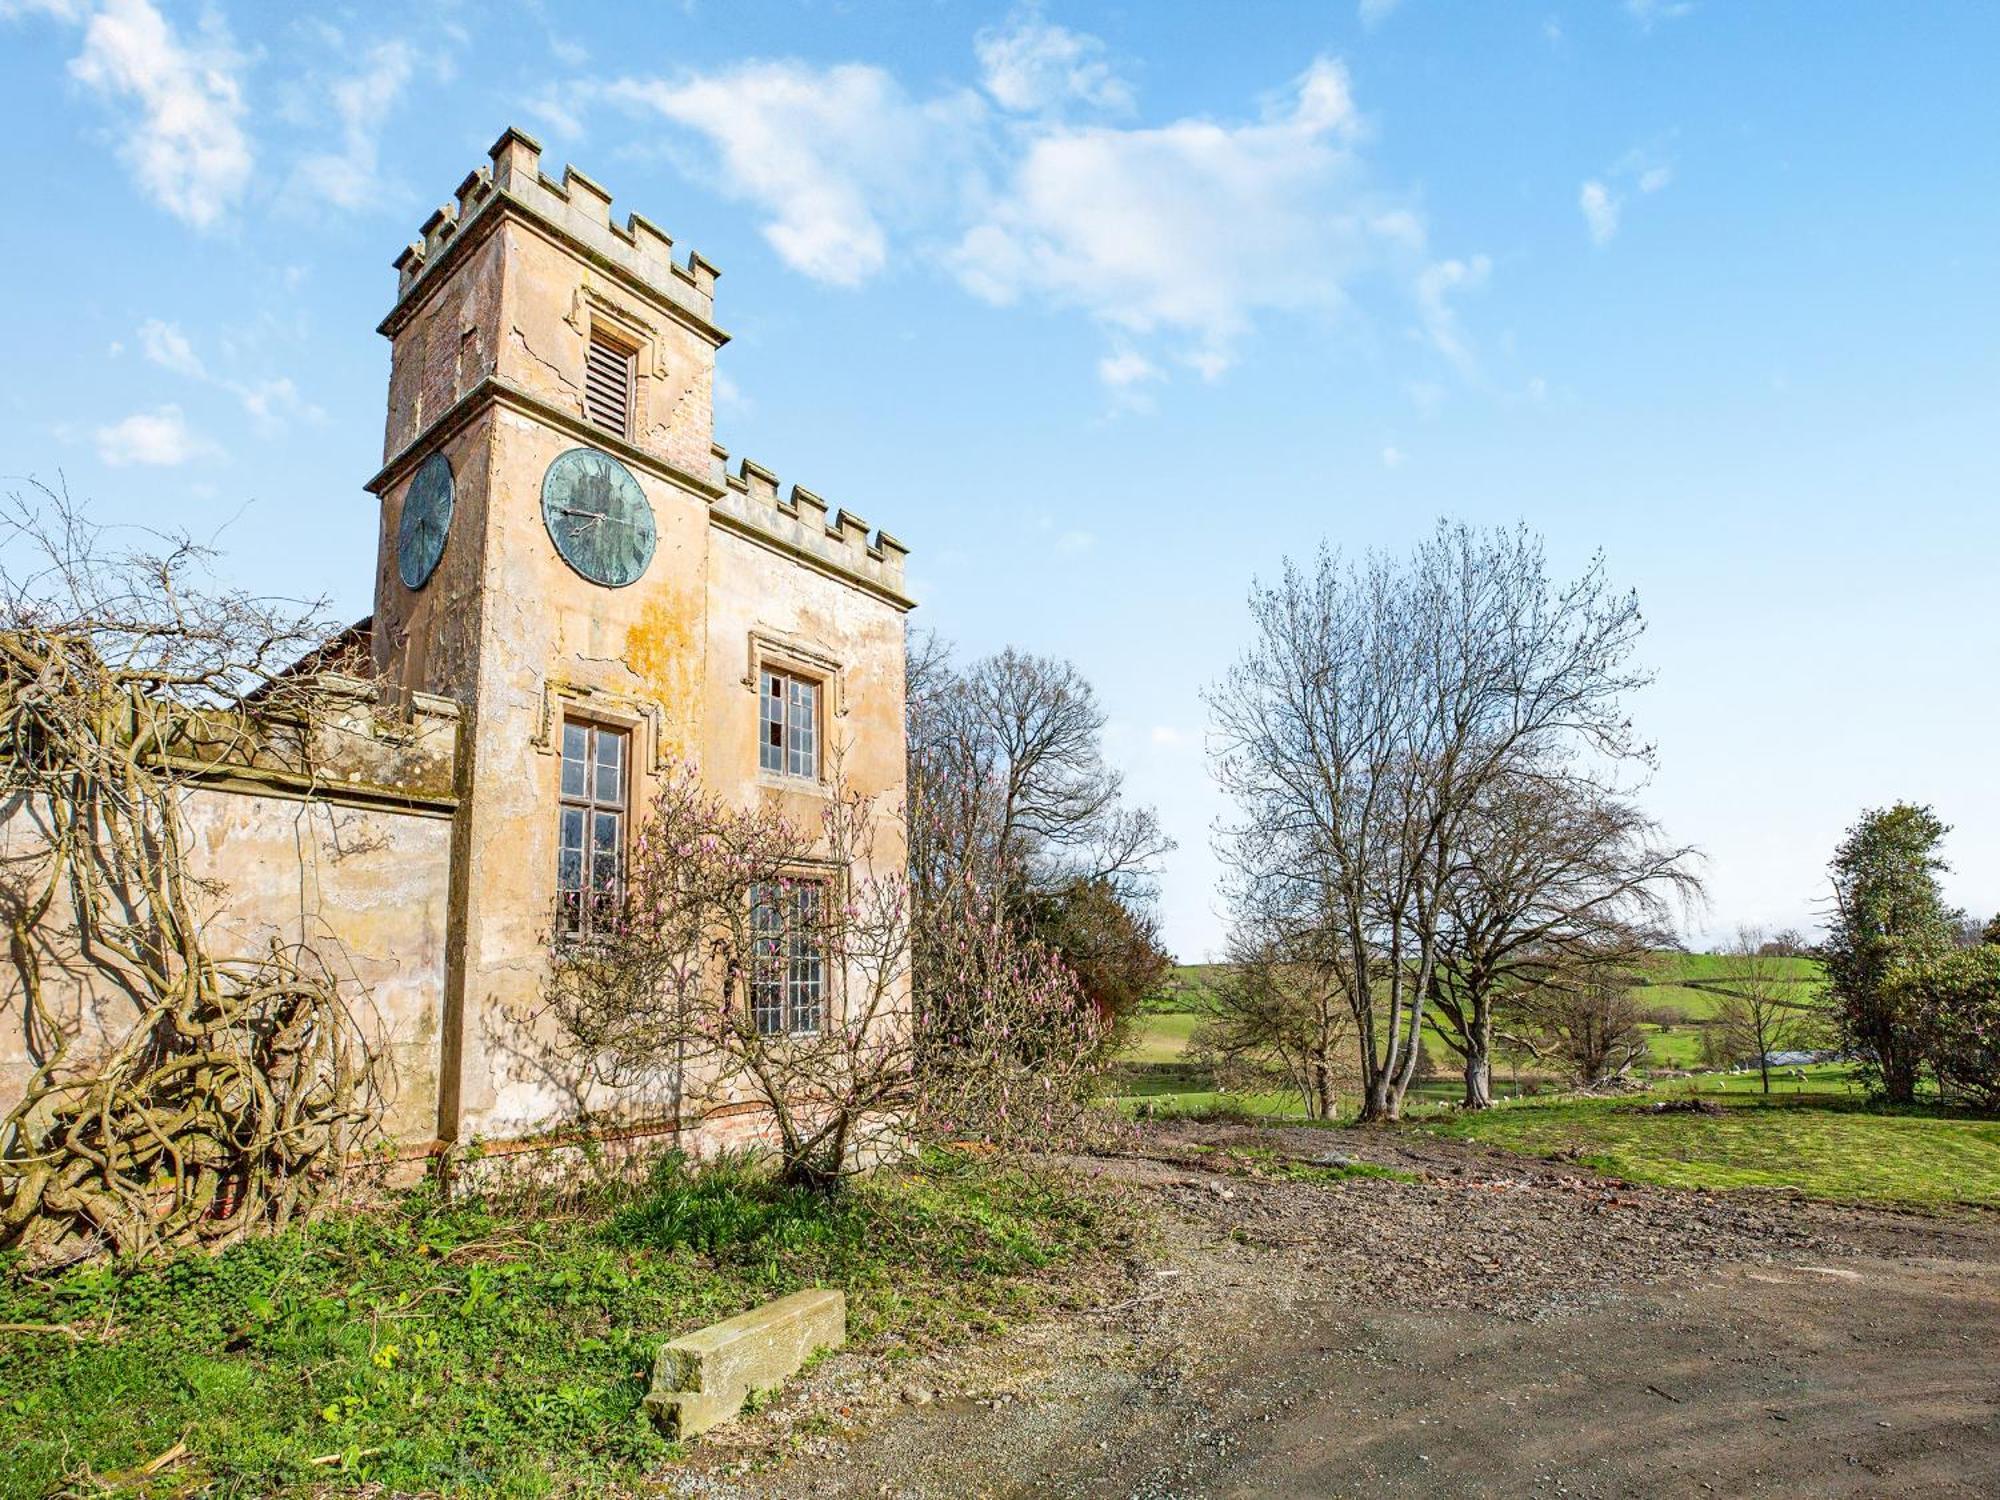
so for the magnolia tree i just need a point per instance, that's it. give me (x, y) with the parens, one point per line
(757, 958)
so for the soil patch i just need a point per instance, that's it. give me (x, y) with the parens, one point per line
(1478, 1323)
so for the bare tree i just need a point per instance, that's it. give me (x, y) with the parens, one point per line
(1009, 787)
(1015, 817)
(1586, 1020)
(1275, 1019)
(753, 958)
(1555, 874)
(1763, 1007)
(1377, 706)
(230, 1090)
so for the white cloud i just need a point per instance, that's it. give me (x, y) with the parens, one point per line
(1604, 207)
(1600, 211)
(1436, 285)
(1375, 12)
(271, 404)
(1177, 238)
(828, 154)
(1075, 543)
(1392, 457)
(557, 108)
(1647, 12)
(1127, 368)
(184, 137)
(61, 10)
(1186, 229)
(159, 439)
(348, 179)
(1166, 734)
(166, 346)
(729, 395)
(1030, 65)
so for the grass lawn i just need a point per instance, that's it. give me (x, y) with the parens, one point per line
(475, 1350)
(1160, 1036)
(1816, 1141)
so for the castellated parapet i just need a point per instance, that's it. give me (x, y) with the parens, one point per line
(578, 207)
(675, 422)
(803, 522)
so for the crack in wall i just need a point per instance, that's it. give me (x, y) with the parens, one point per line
(528, 349)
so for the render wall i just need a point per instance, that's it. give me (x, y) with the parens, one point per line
(364, 885)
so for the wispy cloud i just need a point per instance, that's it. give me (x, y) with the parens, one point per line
(166, 346)
(1603, 199)
(349, 179)
(1028, 64)
(1437, 284)
(272, 403)
(179, 100)
(1649, 13)
(1178, 238)
(1187, 230)
(1127, 368)
(1374, 12)
(1600, 211)
(831, 156)
(159, 438)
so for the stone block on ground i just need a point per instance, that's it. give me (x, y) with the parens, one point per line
(702, 1378)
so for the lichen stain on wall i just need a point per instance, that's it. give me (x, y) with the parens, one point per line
(662, 651)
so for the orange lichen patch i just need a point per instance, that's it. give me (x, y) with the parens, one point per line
(661, 650)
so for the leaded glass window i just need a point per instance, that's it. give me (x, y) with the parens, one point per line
(788, 725)
(590, 827)
(788, 969)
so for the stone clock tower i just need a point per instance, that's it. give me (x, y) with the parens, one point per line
(565, 552)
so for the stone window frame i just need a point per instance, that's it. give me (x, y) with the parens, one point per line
(785, 1002)
(592, 804)
(771, 651)
(835, 882)
(593, 314)
(579, 700)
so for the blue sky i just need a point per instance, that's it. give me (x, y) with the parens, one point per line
(1104, 309)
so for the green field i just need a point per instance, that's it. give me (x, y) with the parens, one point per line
(1686, 982)
(1157, 1047)
(1814, 1141)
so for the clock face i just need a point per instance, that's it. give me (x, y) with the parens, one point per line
(426, 518)
(598, 517)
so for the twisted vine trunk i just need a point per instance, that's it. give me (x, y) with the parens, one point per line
(233, 1094)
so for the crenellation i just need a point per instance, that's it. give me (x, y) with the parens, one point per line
(474, 190)
(700, 272)
(577, 206)
(757, 481)
(587, 196)
(803, 520)
(808, 507)
(438, 229)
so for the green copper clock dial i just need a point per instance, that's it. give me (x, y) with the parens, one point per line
(426, 518)
(598, 517)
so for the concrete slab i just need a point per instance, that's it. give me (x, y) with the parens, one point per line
(702, 1378)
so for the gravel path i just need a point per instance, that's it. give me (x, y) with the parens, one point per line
(1493, 1324)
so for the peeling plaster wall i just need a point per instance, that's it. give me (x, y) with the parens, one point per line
(515, 281)
(364, 886)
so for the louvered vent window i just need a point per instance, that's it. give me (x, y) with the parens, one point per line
(607, 386)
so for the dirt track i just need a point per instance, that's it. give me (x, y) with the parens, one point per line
(1495, 1327)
